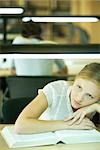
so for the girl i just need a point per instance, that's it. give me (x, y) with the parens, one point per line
(60, 99)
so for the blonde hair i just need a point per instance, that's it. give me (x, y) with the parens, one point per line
(91, 72)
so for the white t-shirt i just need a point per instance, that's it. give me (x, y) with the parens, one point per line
(37, 66)
(59, 106)
(21, 40)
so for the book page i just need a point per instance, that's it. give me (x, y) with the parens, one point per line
(25, 140)
(78, 136)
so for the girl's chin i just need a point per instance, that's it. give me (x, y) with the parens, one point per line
(75, 106)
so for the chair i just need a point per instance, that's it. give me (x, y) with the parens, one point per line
(12, 108)
(27, 86)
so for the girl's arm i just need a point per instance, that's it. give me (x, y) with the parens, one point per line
(28, 121)
(82, 112)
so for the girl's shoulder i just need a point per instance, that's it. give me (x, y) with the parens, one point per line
(60, 83)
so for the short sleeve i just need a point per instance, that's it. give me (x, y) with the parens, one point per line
(53, 92)
(48, 91)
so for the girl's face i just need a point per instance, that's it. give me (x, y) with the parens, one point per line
(84, 92)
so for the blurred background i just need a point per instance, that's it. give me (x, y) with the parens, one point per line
(62, 33)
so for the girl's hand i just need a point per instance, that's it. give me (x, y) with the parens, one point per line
(85, 124)
(80, 114)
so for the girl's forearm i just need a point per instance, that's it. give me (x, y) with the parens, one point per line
(38, 126)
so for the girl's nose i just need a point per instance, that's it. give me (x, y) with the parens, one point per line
(79, 97)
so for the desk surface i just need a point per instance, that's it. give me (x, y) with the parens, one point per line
(7, 72)
(87, 146)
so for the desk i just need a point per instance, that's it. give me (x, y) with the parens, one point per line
(7, 72)
(88, 146)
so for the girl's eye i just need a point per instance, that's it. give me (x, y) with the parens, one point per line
(90, 96)
(79, 86)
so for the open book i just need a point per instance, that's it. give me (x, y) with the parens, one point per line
(66, 136)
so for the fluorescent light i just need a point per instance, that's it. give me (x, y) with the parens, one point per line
(9, 11)
(61, 19)
(26, 19)
(51, 56)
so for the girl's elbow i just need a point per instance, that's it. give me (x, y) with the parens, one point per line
(18, 128)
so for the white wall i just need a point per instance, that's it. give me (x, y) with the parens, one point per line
(74, 66)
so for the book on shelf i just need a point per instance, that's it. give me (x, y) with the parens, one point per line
(49, 138)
